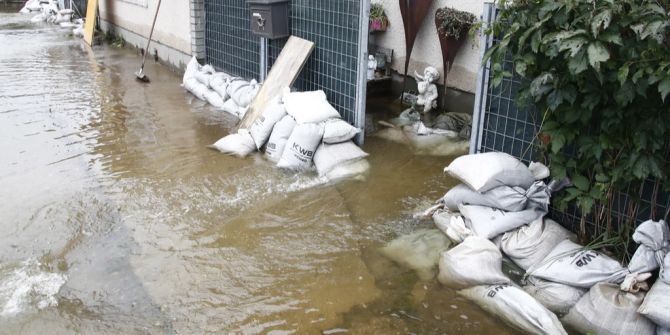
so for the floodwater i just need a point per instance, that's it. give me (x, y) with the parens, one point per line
(116, 219)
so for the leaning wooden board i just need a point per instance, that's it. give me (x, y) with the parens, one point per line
(284, 72)
(89, 24)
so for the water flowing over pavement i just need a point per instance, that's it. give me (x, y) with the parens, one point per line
(116, 219)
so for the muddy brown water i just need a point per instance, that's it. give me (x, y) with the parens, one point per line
(116, 219)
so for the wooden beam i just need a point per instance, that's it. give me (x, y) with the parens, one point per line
(284, 72)
(89, 25)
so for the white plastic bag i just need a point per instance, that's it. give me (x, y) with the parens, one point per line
(351, 170)
(485, 171)
(419, 251)
(654, 240)
(656, 304)
(239, 144)
(606, 310)
(530, 244)
(329, 156)
(214, 99)
(262, 126)
(489, 222)
(338, 131)
(309, 107)
(557, 297)
(569, 263)
(474, 262)
(300, 147)
(280, 134)
(516, 308)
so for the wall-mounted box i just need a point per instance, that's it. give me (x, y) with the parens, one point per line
(269, 18)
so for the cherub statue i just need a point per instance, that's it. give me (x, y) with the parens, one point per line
(372, 66)
(427, 96)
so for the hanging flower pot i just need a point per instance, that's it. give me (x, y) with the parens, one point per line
(452, 29)
(378, 19)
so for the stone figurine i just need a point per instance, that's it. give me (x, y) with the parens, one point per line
(372, 66)
(427, 97)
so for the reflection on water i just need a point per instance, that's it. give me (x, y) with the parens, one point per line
(116, 219)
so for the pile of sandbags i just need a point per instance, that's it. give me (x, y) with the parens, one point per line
(230, 94)
(498, 212)
(301, 131)
(49, 11)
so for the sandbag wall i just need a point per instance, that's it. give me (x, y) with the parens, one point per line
(48, 11)
(498, 214)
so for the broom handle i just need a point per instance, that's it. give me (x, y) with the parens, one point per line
(151, 33)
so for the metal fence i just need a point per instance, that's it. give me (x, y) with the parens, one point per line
(229, 44)
(500, 125)
(336, 66)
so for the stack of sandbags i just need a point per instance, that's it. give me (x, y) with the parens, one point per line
(31, 6)
(499, 193)
(301, 130)
(232, 95)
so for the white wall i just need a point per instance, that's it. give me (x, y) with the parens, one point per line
(173, 25)
(427, 46)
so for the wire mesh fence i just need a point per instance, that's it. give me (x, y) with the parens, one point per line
(504, 126)
(229, 43)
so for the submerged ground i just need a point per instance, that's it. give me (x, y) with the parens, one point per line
(116, 219)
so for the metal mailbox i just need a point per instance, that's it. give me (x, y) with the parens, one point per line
(269, 18)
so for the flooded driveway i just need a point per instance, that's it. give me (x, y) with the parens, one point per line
(116, 219)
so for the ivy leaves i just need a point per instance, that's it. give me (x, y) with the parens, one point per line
(601, 72)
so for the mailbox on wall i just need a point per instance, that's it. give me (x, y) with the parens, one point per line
(269, 18)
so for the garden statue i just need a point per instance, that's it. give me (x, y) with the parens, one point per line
(372, 66)
(427, 97)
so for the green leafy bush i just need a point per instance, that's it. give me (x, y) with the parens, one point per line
(454, 23)
(599, 72)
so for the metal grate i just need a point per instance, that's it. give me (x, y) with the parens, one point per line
(333, 67)
(500, 125)
(229, 44)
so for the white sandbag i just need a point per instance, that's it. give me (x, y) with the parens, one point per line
(219, 83)
(78, 32)
(539, 170)
(556, 297)
(654, 240)
(338, 131)
(242, 111)
(606, 310)
(309, 107)
(507, 198)
(452, 225)
(300, 147)
(245, 94)
(262, 126)
(203, 77)
(665, 272)
(277, 141)
(63, 17)
(530, 244)
(516, 308)
(485, 171)
(33, 5)
(231, 107)
(419, 251)
(569, 263)
(476, 261)
(191, 69)
(196, 88)
(214, 99)
(329, 156)
(39, 18)
(239, 144)
(489, 222)
(656, 304)
(357, 170)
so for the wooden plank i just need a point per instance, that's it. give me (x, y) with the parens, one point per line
(89, 25)
(284, 72)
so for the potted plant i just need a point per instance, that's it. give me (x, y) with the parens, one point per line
(452, 29)
(378, 19)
